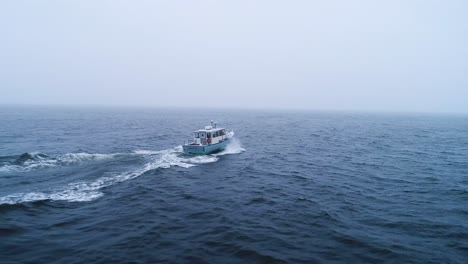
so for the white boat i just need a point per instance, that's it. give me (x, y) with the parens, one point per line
(209, 140)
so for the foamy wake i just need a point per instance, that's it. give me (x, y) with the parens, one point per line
(85, 191)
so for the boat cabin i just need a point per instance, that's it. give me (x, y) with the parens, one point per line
(209, 136)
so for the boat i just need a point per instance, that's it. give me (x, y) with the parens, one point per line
(209, 140)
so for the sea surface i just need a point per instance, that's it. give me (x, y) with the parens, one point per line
(111, 185)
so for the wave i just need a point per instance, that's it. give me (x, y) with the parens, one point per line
(85, 191)
(35, 160)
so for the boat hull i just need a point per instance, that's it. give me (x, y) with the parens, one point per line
(205, 149)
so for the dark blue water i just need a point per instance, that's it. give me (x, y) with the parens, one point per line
(103, 185)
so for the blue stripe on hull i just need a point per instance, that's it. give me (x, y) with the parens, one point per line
(206, 149)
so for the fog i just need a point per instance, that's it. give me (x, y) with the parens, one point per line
(390, 55)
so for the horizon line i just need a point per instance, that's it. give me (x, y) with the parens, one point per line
(230, 108)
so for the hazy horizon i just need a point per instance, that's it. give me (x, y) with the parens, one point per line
(389, 56)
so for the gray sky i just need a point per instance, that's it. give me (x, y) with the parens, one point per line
(389, 55)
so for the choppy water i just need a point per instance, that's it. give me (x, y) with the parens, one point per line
(111, 185)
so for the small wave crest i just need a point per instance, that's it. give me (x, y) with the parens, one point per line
(146, 152)
(85, 191)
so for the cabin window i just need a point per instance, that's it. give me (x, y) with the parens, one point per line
(216, 134)
(208, 135)
(222, 132)
(197, 135)
(202, 135)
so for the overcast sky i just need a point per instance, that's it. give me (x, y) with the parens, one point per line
(371, 55)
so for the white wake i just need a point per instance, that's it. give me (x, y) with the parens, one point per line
(84, 191)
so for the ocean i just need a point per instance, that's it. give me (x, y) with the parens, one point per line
(111, 185)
